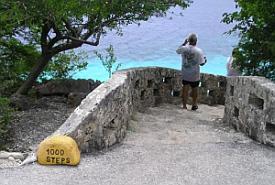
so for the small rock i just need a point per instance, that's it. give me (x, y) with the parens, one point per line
(30, 159)
(14, 155)
(11, 158)
(18, 161)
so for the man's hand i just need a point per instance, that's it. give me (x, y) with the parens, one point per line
(185, 42)
(205, 60)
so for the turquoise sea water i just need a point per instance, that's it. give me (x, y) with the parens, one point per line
(154, 42)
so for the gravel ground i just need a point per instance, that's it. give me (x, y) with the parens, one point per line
(30, 127)
(165, 146)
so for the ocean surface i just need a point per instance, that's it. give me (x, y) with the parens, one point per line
(154, 42)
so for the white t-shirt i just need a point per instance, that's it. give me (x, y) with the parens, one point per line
(192, 57)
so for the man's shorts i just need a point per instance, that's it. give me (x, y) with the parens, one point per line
(192, 84)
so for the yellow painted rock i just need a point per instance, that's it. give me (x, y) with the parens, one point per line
(58, 150)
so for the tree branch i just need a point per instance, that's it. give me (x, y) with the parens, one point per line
(66, 46)
(58, 36)
(85, 41)
(44, 34)
(70, 28)
(56, 30)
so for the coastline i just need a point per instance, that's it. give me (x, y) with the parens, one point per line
(216, 64)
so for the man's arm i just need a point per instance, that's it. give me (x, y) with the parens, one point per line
(205, 60)
(182, 48)
(185, 42)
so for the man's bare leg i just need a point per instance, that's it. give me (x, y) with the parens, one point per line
(194, 95)
(185, 90)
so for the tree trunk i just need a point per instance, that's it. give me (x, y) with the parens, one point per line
(35, 72)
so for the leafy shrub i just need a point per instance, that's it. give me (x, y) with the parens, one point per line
(254, 22)
(17, 60)
(108, 60)
(64, 65)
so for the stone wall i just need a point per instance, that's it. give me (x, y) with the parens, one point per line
(102, 117)
(250, 107)
(212, 89)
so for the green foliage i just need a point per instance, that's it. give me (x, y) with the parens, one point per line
(57, 26)
(68, 17)
(64, 65)
(16, 59)
(109, 60)
(5, 117)
(255, 22)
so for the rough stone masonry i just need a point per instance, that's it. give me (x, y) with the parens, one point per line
(102, 118)
(250, 107)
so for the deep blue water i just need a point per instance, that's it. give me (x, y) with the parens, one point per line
(154, 42)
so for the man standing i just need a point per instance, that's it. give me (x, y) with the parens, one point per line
(192, 58)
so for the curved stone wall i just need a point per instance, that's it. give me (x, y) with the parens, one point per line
(250, 107)
(102, 117)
